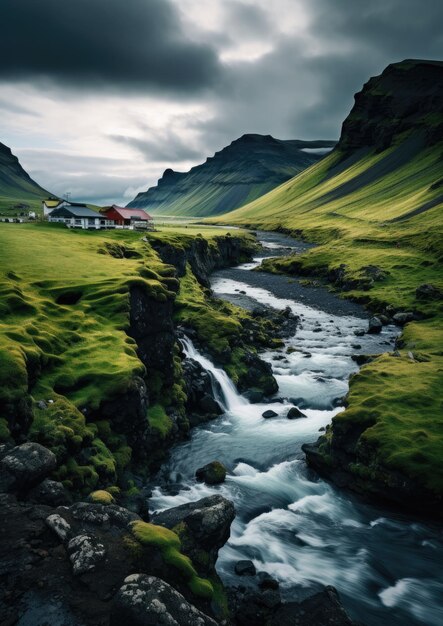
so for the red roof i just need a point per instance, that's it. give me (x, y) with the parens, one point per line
(128, 213)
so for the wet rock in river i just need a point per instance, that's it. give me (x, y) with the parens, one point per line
(212, 474)
(245, 568)
(375, 326)
(207, 522)
(403, 317)
(295, 413)
(269, 413)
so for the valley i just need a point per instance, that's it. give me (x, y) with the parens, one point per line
(237, 415)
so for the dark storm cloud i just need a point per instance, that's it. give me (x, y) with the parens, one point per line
(164, 146)
(304, 87)
(94, 43)
(400, 28)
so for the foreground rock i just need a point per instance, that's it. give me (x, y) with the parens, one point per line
(321, 608)
(245, 568)
(294, 413)
(213, 473)
(25, 466)
(68, 563)
(375, 326)
(149, 601)
(207, 524)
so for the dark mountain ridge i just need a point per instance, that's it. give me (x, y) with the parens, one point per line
(15, 183)
(239, 173)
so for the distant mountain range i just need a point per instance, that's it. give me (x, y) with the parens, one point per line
(239, 173)
(16, 186)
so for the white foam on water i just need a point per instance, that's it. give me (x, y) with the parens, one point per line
(419, 597)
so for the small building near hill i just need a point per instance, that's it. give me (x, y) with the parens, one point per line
(76, 215)
(50, 204)
(129, 218)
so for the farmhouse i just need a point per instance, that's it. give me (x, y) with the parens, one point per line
(129, 218)
(50, 204)
(76, 215)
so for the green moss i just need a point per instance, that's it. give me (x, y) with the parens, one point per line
(169, 544)
(101, 497)
(159, 420)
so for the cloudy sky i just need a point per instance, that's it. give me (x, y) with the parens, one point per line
(98, 97)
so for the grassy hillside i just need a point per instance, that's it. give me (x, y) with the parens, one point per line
(375, 207)
(243, 171)
(70, 368)
(16, 186)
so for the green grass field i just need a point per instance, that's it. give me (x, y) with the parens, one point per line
(385, 210)
(64, 316)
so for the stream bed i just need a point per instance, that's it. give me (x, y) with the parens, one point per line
(292, 524)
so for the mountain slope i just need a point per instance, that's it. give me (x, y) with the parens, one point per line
(243, 171)
(375, 207)
(16, 186)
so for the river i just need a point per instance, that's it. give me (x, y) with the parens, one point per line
(292, 524)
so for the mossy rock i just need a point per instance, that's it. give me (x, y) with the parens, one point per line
(169, 544)
(101, 497)
(213, 473)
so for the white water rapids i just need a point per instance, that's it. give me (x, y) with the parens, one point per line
(304, 531)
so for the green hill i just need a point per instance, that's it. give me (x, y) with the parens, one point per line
(16, 186)
(374, 206)
(243, 171)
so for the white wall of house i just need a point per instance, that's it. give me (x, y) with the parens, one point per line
(83, 222)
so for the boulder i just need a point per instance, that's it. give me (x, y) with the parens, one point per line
(209, 405)
(403, 318)
(254, 395)
(25, 466)
(85, 552)
(428, 292)
(265, 581)
(375, 326)
(245, 568)
(213, 473)
(269, 413)
(149, 601)
(102, 514)
(294, 413)
(207, 521)
(50, 492)
(60, 526)
(321, 608)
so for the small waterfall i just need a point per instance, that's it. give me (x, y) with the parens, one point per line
(229, 398)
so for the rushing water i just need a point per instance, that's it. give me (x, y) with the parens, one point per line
(292, 524)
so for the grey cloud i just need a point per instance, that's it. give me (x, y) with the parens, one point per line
(136, 44)
(247, 20)
(165, 146)
(12, 107)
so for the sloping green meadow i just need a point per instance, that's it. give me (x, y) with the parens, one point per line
(383, 210)
(64, 317)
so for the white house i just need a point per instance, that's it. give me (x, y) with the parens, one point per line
(50, 204)
(76, 215)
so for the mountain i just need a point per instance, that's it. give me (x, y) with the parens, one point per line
(16, 186)
(243, 171)
(386, 166)
(374, 206)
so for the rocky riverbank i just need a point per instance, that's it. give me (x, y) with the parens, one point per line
(95, 563)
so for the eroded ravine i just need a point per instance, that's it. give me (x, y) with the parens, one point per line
(291, 523)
